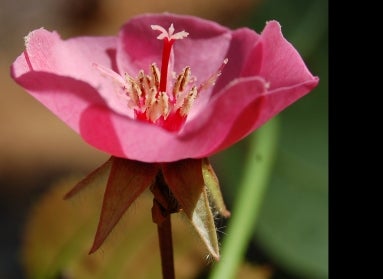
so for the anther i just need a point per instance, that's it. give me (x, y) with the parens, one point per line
(182, 79)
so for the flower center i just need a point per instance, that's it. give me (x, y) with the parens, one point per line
(149, 95)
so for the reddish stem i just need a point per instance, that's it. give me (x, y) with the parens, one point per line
(166, 247)
(164, 204)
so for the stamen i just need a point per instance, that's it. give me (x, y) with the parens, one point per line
(159, 106)
(155, 76)
(213, 78)
(143, 82)
(135, 93)
(188, 101)
(147, 94)
(182, 79)
(150, 98)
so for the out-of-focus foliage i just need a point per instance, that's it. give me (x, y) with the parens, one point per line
(293, 223)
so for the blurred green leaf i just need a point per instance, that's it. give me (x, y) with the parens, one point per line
(260, 160)
(293, 220)
(293, 226)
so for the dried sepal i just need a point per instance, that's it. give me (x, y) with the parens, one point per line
(98, 176)
(127, 180)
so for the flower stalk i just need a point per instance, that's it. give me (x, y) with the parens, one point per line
(164, 204)
(166, 248)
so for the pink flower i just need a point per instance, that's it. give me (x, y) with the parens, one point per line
(109, 91)
(161, 97)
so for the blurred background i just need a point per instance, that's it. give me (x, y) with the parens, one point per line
(38, 152)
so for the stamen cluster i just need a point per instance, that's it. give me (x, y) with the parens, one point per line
(151, 97)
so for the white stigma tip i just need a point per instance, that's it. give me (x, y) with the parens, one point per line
(170, 35)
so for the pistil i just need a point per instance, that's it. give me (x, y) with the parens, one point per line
(168, 37)
(167, 48)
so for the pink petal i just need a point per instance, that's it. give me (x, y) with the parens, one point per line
(138, 46)
(282, 65)
(46, 52)
(239, 53)
(65, 97)
(61, 76)
(149, 143)
(96, 128)
(264, 109)
(242, 44)
(241, 99)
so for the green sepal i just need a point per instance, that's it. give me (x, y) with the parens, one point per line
(186, 182)
(214, 191)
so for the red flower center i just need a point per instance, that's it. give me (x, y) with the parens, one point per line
(157, 104)
(149, 95)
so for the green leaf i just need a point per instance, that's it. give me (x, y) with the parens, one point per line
(293, 225)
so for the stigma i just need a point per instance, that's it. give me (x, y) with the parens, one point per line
(154, 96)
